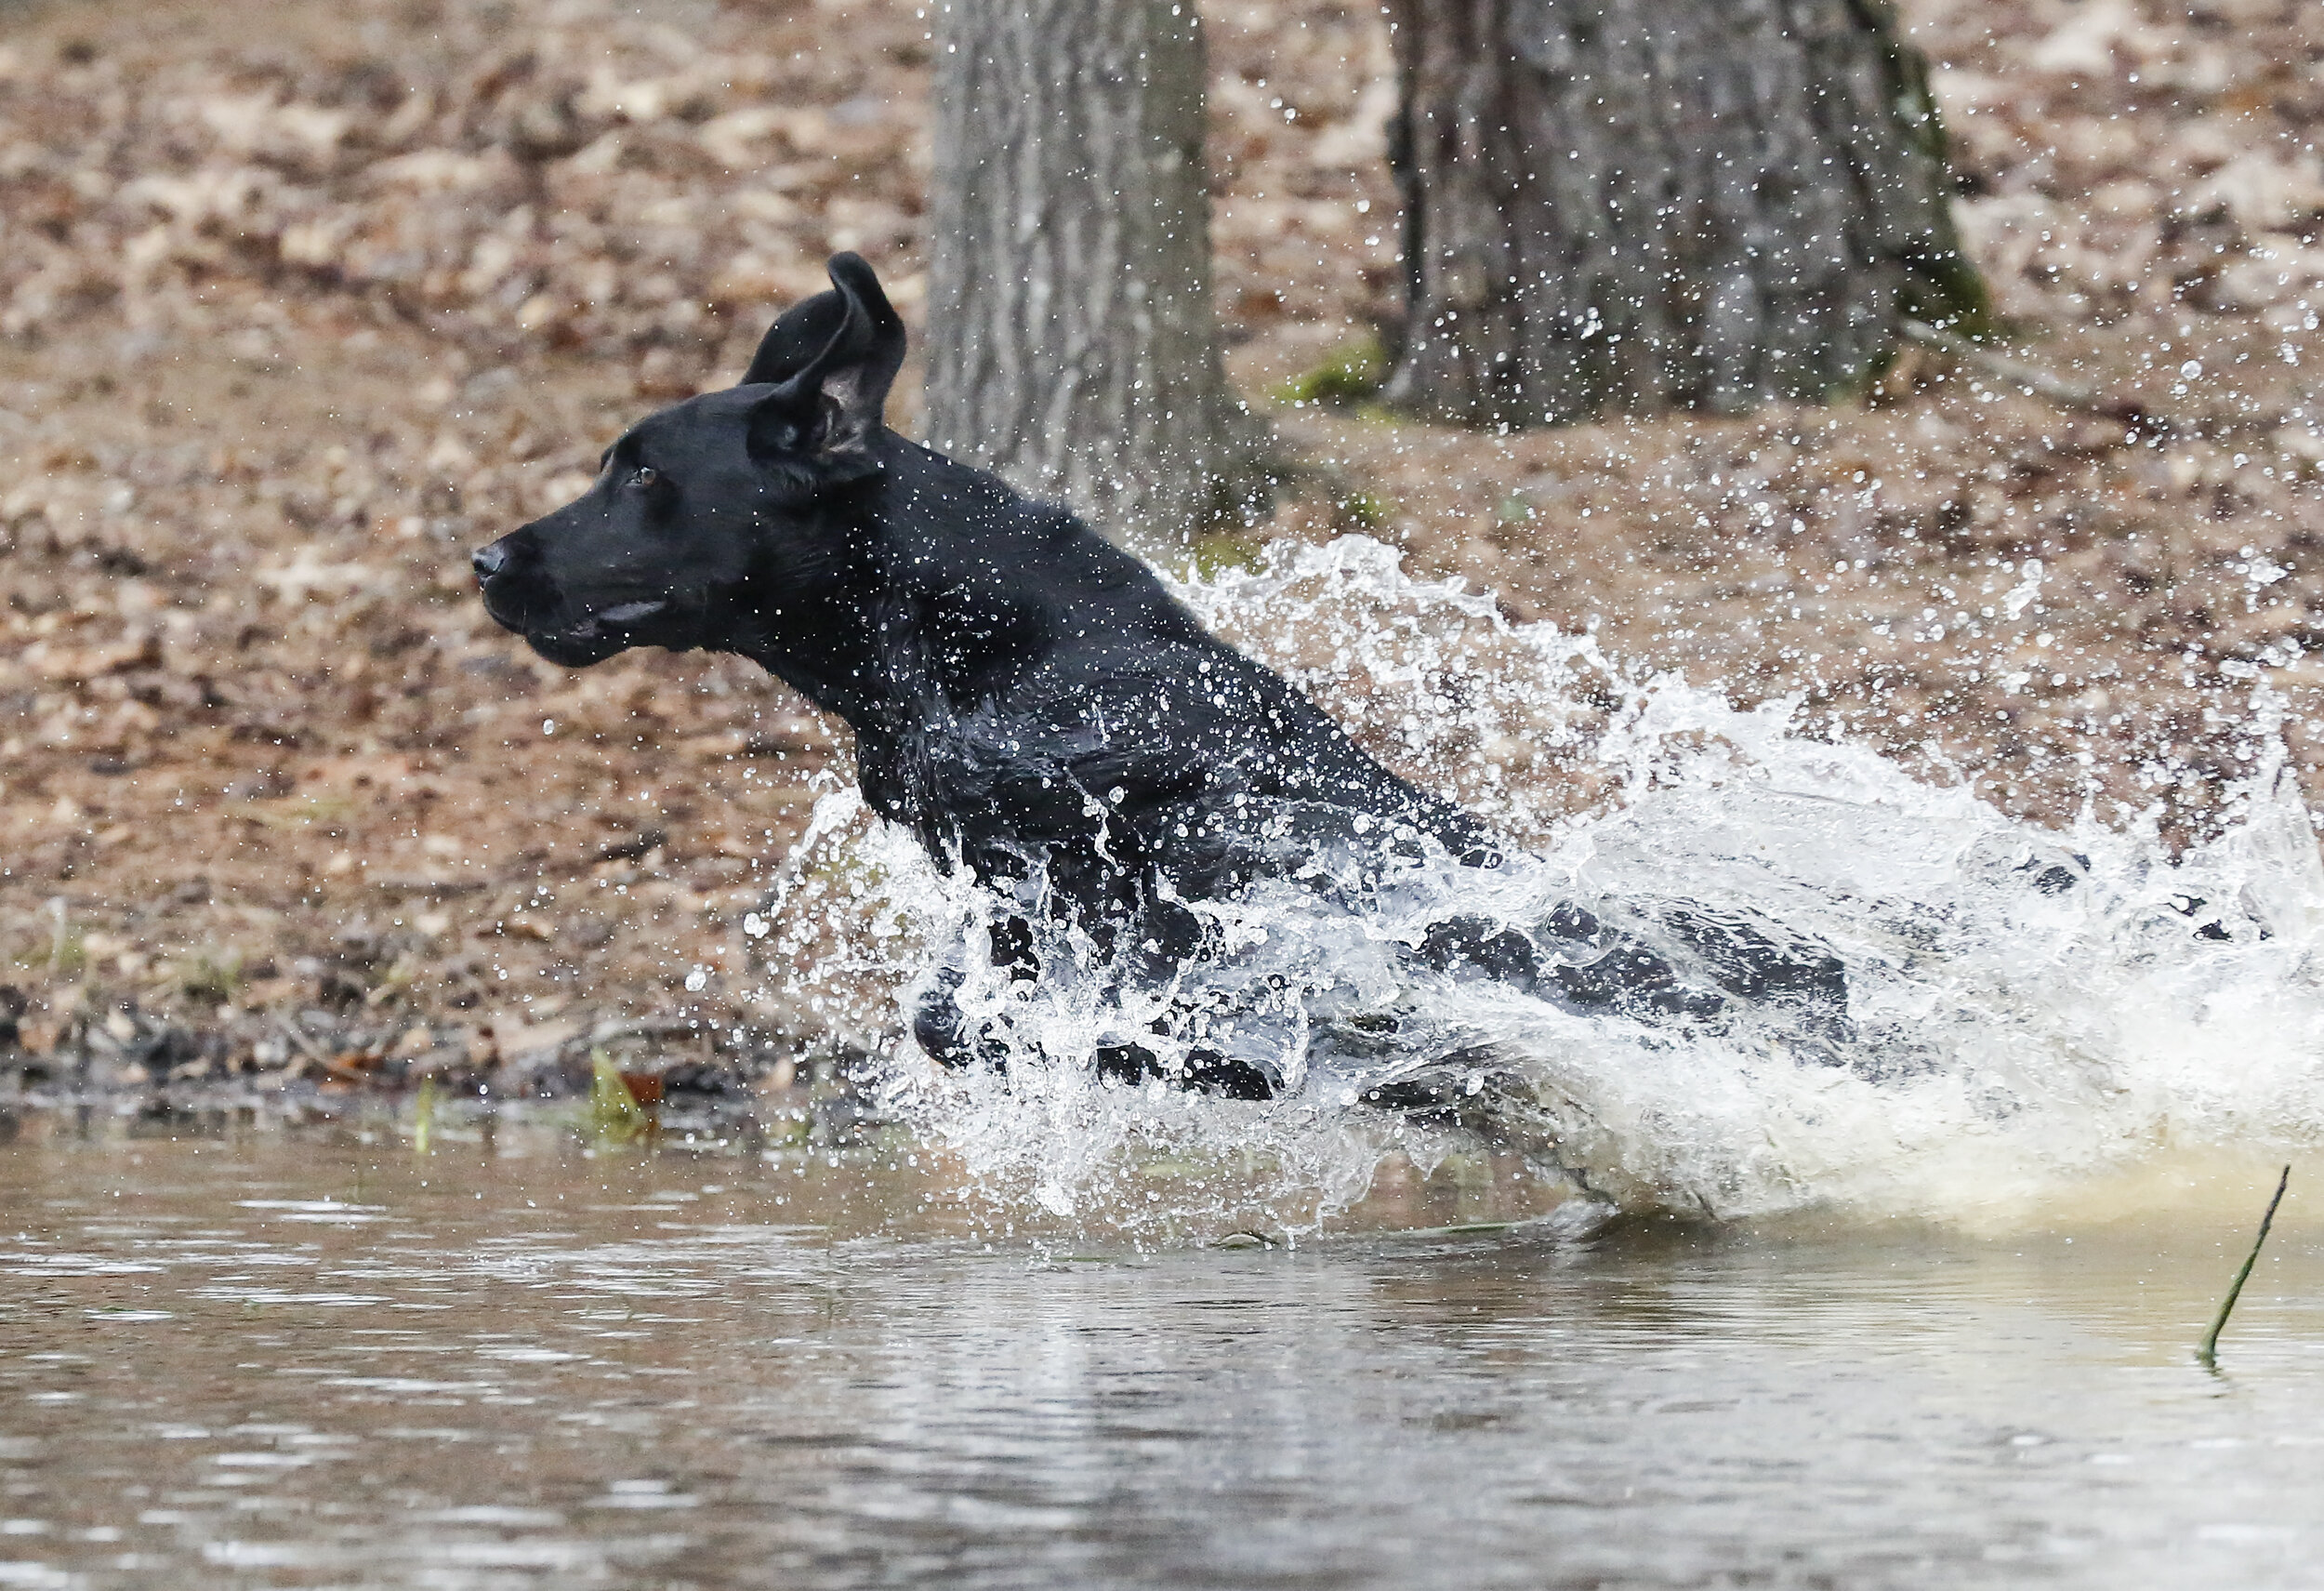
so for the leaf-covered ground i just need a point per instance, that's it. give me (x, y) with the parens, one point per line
(299, 302)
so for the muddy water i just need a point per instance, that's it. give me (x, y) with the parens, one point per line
(310, 1359)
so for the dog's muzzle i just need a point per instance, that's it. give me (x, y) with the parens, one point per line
(521, 595)
(502, 571)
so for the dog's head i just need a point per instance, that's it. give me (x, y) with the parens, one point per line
(715, 504)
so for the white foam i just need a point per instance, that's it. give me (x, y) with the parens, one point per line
(2011, 1042)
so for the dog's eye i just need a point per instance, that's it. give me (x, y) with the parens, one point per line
(646, 476)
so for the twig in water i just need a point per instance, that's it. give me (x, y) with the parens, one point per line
(2209, 1352)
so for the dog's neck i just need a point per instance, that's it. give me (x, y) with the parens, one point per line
(921, 601)
(816, 643)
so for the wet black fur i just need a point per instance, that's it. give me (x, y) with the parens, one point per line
(1027, 698)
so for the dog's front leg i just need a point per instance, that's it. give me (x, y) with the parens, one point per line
(941, 1027)
(937, 1025)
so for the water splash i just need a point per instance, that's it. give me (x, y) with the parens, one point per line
(2029, 1009)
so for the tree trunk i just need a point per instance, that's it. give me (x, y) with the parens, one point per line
(1644, 204)
(1070, 335)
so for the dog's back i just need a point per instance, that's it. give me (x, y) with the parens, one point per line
(1048, 694)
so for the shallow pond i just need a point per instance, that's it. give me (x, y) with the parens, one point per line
(319, 1359)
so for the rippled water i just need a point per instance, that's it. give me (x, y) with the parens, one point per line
(271, 1359)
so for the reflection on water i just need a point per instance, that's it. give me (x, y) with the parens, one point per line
(289, 1360)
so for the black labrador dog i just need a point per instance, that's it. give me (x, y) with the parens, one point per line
(1026, 696)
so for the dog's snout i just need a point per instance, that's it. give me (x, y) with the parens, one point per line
(503, 573)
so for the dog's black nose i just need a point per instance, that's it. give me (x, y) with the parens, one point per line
(489, 561)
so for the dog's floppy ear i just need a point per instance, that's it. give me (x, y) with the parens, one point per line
(828, 364)
(801, 332)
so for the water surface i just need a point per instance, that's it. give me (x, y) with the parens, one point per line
(307, 1359)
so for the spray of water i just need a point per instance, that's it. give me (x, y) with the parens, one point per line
(2027, 1009)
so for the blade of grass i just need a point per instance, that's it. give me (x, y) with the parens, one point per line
(615, 1114)
(424, 1116)
(2209, 1352)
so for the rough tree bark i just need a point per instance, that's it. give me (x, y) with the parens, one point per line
(1644, 204)
(1071, 341)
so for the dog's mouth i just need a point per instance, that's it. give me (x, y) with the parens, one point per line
(594, 636)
